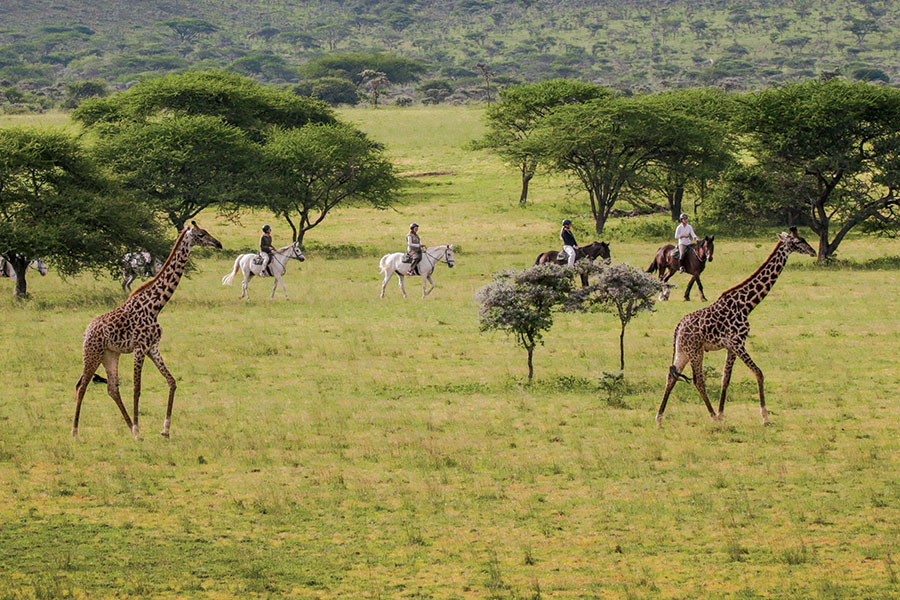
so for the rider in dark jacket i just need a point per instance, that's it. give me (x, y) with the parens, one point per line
(265, 247)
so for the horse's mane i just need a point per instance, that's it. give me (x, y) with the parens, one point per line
(756, 272)
(163, 268)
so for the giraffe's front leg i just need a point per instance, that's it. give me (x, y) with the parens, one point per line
(742, 353)
(111, 364)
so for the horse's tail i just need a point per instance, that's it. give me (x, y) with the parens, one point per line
(230, 277)
(537, 261)
(653, 266)
(382, 264)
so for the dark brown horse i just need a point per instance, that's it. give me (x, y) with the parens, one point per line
(591, 251)
(698, 254)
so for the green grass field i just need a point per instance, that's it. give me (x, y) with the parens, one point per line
(341, 446)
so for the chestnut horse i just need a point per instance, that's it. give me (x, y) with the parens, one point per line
(697, 256)
(591, 251)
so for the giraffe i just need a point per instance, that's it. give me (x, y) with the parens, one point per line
(132, 327)
(723, 324)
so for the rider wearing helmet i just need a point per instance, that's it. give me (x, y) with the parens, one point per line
(266, 248)
(568, 240)
(414, 247)
(684, 236)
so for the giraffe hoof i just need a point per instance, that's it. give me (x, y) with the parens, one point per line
(165, 434)
(659, 421)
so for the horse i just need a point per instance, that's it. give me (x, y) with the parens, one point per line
(6, 269)
(697, 256)
(138, 264)
(591, 251)
(393, 263)
(246, 263)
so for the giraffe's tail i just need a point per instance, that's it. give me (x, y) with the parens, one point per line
(95, 379)
(674, 372)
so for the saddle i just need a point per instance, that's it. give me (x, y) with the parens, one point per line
(673, 253)
(258, 259)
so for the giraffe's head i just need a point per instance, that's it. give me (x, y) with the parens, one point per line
(794, 243)
(201, 237)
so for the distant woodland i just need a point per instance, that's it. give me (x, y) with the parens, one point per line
(56, 52)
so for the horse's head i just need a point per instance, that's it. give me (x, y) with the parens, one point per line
(448, 256)
(201, 237)
(296, 252)
(707, 247)
(600, 249)
(39, 265)
(795, 243)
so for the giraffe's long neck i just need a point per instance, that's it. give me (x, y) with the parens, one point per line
(154, 294)
(751, 291)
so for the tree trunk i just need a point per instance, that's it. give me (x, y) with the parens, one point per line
(526, 179)
(622, 349)
(676, 199)
(20, 267)
(530, 364)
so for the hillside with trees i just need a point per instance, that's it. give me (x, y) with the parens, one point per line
(58, 52)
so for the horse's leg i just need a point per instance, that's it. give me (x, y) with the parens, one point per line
(387, 277)
(402, 287)
(700, 287)
(157, 359)
(283, 287)
(274, 287)
(687, 290)
(429, 280)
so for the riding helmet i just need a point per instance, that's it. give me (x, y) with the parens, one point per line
(682, 216)
(413, 225)
(566, 222)
(266, 228)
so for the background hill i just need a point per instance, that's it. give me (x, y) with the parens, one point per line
(634, 46)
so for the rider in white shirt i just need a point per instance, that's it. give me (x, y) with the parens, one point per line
(684, 236)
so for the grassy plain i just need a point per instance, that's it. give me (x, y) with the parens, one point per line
(341, 446)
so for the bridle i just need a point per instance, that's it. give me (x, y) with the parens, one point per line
(432, 260)
(295, 253)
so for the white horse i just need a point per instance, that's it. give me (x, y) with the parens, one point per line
(393, 263)
(138, 264)
(246, 263)
(6, 269)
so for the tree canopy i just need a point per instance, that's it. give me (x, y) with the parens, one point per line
(55, 204)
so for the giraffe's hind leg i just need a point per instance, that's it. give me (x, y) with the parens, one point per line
(700, 382)
(91, 363)
(726, 379)
(111, 364)
(671, 379)
(157, 359)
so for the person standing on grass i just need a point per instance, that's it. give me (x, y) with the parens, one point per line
(568, 240)
(414, 247)
(684, 236)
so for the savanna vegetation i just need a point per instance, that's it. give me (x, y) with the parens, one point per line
(59, 52)
(339, 445)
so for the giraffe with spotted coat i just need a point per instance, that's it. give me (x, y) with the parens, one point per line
(723, 325)
(132, 327)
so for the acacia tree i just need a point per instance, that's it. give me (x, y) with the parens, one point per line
(838, 147)
(701, 149)
(604, 144)
(180, 166)
(621, 289)
(512, 119)
(522, 303)
(314, 169)
(56, 204)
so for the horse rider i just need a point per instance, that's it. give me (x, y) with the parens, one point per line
(414, 247)
(684, 236)
(266, 248)
(568, 240)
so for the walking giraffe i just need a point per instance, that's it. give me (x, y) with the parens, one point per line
(723, 324)
(132, 327)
